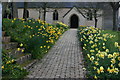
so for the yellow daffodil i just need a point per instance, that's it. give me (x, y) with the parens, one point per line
(84, 44)
(21, 45)
(96, 63)
(48, 47)
(116, 70)
(96, 49)
(108, 69)
(96, 40)
(84, 48)
(111, 70)
(18, 49)
(113, 61)
(94, 68)
(115, 54)
(95, 77)
(110, 55)
(105, 39)
(111, 65)
(2, 67)
(119, 64)
(12, 21)
(22, 50)
(92, 58)
(86, 40)
(7, 62)
(12, 60)
(98, 71)
(119, 58)
(101, 69)
(92, 50)
(88, 55)
(44, 46)
(107, 50)
(41, 46)
(101, 55)
(104, 47)
(91, 42)
(116, 44)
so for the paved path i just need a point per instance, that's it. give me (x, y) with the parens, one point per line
(64, 60)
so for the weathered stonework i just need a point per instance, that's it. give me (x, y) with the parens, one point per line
(33, 13)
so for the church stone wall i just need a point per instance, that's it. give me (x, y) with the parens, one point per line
(92, 22)
(61, 12)
(66, 19)
(33, 13)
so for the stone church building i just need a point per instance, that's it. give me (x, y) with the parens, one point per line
(71, 14)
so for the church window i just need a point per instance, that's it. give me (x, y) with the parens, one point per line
(55, 15)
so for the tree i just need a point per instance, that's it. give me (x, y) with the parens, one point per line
(14, 10)
(44, 8)
(25, 10)
(9, 10)
(4, 6)
(39, 9)
(115, 7)
(92, 11)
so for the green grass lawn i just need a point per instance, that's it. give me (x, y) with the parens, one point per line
(117, 33)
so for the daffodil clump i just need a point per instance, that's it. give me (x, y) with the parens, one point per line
(102, 56)
(36, 35)
(10, 69)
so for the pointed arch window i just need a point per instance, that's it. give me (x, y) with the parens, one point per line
(55, 15)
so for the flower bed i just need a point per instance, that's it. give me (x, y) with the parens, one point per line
(36, 36)
(101, 53)
(11, 70)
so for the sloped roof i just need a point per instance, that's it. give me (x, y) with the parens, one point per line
(59, 4)
(77, 10)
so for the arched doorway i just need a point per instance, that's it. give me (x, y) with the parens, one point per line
(74, 21)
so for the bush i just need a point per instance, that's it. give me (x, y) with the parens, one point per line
(36, 35)
(101, 52)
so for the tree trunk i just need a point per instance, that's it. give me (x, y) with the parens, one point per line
(39, 14)
(115, 20)
(25, 10)
(96, 23)
(4, 6)
(115, 7)
(15, 11)
(95, 17)
(44, 14)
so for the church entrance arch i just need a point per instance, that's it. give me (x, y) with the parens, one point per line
(74, 21)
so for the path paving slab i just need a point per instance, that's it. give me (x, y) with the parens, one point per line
(64, 60)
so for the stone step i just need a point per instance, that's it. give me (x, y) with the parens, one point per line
(11, 45)
(15, 52)
(24, 58)
(29, 64)
(3, 33)
(6, 39)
